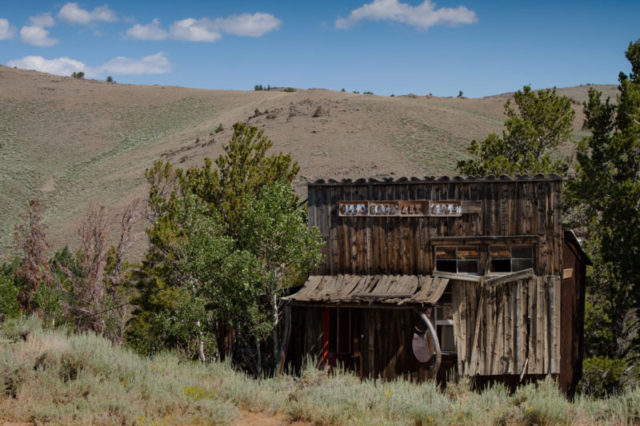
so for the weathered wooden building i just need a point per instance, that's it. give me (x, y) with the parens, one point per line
(475, 274)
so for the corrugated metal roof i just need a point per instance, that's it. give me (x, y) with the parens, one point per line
(371, 289)
(434, 179)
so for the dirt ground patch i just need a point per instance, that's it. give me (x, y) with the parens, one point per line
(263, 419)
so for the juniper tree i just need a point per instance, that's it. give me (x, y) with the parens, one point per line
(539, 124)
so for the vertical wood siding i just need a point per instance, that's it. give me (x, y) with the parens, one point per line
(508, 328)
(404, 245)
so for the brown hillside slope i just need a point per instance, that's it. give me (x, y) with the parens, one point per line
(68, 141)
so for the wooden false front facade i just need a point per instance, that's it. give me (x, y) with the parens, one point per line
(484, 262)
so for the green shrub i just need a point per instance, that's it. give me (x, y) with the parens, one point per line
(152, 332)
(219, 128)
(9, 306)
(289, 89)
(602, 376)
(50, 299)
(598, 335)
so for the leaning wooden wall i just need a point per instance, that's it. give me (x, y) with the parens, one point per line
(506, 328)
(528, 208)
(572, 334)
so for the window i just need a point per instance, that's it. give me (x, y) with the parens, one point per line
(444, 328)
(511, 259)
(457, 259)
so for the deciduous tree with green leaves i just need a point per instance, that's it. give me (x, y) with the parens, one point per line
(533, 131)
(234, 237)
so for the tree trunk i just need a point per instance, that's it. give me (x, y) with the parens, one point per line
(225, 338)
(276, 340)
(200, 344)
(259, 360)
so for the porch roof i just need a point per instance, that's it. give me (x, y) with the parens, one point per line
(371, 289)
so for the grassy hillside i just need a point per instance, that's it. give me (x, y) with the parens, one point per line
(68, 141)
(83, 379)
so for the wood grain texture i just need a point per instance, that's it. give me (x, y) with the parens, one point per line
(501, 211)
(496, 316)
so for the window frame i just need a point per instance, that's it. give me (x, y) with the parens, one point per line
(511, 259)
(440, 324)
(457, 259)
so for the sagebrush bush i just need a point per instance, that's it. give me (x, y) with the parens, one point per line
(84, 379)
(64, 378)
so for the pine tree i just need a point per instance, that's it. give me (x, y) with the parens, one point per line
(541, 123)
(607, 186)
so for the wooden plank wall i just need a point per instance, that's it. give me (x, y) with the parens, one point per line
(402, 245)
(386, 347)
(508, 328)
(306, 337)
(385, 337)
(572, 319)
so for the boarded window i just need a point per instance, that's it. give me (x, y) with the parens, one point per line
(457, 259)
(511, 259)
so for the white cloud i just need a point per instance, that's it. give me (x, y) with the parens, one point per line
(194, 30)
(42, 20)
(422, 16)
(6, 31)
(152, 64)
(59, 66)
(73, 13)
(37, 36)
(206, 29)
(248, 25)
(152, 31)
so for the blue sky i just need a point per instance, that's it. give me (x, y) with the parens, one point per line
(384, 46)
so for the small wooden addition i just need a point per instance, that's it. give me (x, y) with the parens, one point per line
(484, 261)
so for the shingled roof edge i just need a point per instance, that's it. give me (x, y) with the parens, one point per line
(440, 179)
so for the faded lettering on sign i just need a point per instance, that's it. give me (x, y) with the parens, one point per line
(400, 208)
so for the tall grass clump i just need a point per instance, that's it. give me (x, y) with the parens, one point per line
(53, 376)
(342, 398)
(83, 379)
(542, 403)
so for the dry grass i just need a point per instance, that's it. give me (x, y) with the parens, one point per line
(68, 141)
(82, 379)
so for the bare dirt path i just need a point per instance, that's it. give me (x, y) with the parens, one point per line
(263, 419)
